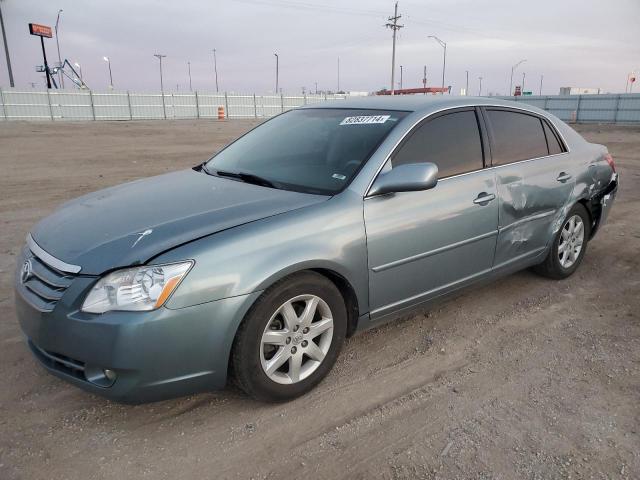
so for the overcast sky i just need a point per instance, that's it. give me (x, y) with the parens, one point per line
(586, 43)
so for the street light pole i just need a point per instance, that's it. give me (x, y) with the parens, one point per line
(466, 90)
(6, 48)
(523, 76)
(444, 58)
(164, 108)
(108, 60)
(424, 79)
(277, 67)
(338, 74)
(400, 77)
(626, 84)
(60, 76)
(480, 89)
(541, 77)
(215, 67)
(189, 66)
(512, 70)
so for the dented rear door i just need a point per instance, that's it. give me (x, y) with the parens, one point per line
(532, 185)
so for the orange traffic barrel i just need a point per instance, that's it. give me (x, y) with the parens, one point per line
(220, 113)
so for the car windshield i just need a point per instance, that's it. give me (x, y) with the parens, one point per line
(307, 150)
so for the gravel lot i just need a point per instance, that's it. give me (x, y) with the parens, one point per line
(525, 378)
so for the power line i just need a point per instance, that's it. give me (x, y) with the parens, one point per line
(361, 12)
(395, 27)
(295, 5)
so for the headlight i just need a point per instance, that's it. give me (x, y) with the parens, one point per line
(135, 289)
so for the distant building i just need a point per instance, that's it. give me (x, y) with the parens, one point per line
(413, 91)
(358, 94)
(579, 91)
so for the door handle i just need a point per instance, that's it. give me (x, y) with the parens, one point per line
(484, 198)
(563, 177)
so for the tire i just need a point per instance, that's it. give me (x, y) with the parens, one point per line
(275, 355)
(562, 259)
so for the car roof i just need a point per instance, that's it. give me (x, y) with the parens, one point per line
(418, 103)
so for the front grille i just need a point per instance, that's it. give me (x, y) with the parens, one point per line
(44, 285)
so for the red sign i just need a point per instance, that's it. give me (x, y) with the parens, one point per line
(40, 30)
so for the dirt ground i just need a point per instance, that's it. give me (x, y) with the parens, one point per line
(526, 378)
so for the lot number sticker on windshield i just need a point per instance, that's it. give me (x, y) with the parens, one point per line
(365, 119)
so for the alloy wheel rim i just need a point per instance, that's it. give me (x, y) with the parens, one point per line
(296, 339)
(571, 240)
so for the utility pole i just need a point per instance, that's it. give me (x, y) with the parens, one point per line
(189, 66)
(424, 79)
(338, 74)
(6, 48)
(466, 89)
(400, 77)
(164, 108)
(395, 27)
(444, 58)
(215, 68)
(512, 70)
(60, 76)
(277, 68)
(316, 87)
(480, 89)
(541, 77)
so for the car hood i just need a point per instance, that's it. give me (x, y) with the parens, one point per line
(131, 223)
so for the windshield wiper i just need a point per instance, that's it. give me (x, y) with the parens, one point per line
(202, 168)
(247, 178)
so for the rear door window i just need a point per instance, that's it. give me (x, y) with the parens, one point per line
(516, 137)
(552, 140)
(451, 141)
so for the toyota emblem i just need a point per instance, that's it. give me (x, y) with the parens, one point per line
(27, 269)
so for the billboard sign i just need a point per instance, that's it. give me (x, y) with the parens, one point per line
(40, 30)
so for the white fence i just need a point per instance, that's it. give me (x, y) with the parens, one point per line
(606, 108)
(113, 105)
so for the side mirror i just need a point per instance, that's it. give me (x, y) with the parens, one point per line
(410, 177)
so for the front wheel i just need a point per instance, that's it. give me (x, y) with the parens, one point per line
(290, 338)
(569, 245)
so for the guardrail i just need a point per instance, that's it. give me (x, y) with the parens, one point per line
(113, 105)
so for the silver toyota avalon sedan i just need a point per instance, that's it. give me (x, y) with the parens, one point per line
(319, 223)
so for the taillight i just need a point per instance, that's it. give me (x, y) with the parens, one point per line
(609, 160)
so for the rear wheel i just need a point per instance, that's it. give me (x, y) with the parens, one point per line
(569, 245)
(290, 338)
